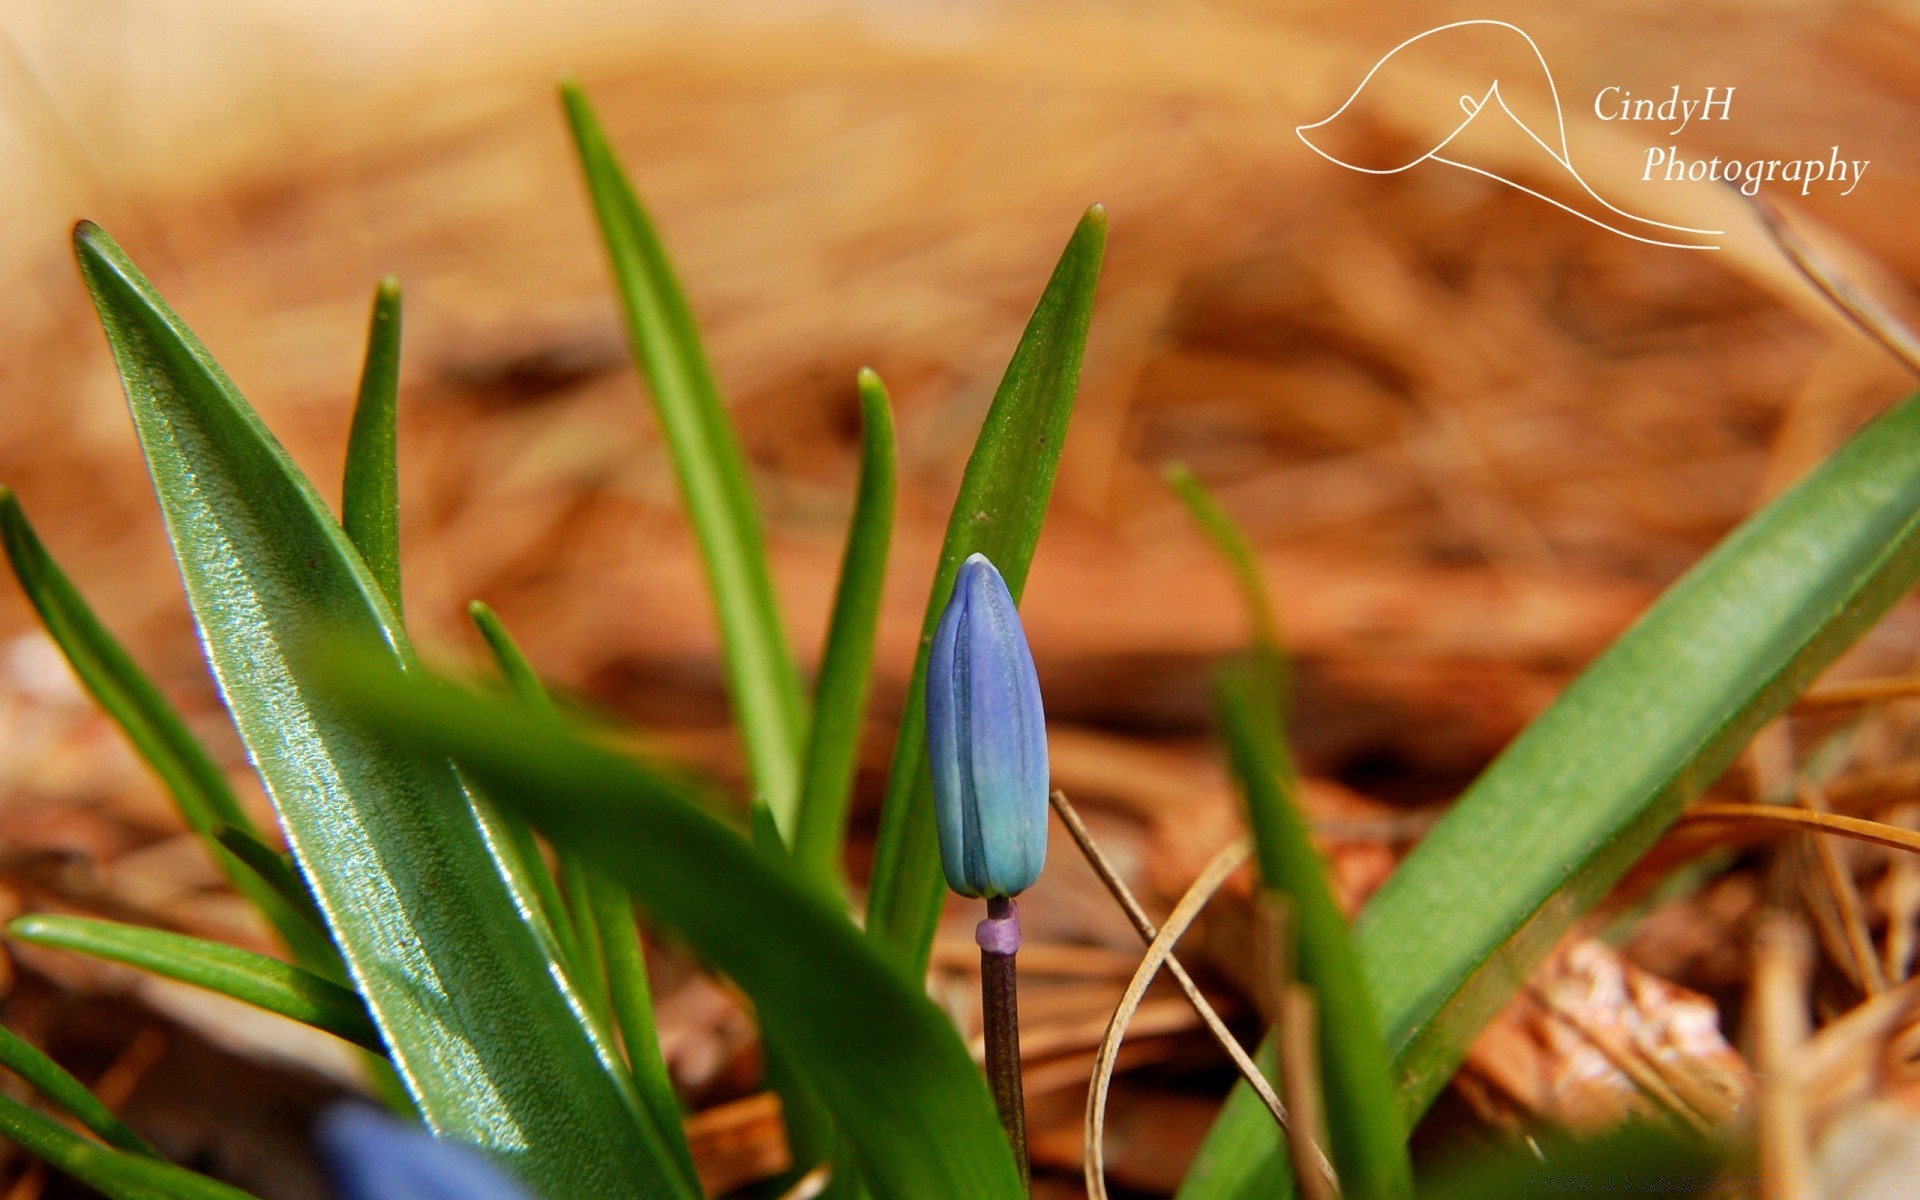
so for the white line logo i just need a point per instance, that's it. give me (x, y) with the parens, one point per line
(1556, 148)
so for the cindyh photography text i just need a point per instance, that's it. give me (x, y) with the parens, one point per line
(1668, 164)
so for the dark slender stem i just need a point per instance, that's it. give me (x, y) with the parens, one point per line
(1000, 1007)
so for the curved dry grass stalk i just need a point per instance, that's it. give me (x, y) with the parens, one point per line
(1217, 871)
(1857, 693)
(1872, 317)
(1144, 926)
(1890, 836)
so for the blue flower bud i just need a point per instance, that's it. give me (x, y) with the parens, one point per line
(987, 739)
(372, 1156)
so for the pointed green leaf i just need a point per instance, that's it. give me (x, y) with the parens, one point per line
(625, 959)
(1002, 503)
(248, 977)
(762, 677)
(887, 1063)
(52, 1081)
(1234, 546)
(1232, 542)
(370, 493)
(149, 720)
(410, 870)
(1369, 1143)
(277, 871)
(113, 1173)
(846, 667)
(1591, 784)
(526, 684)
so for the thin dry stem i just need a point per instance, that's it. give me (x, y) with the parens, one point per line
(1143, 925)
(1223, 865)
(1846, 901)
(1782, 963)
(1876, 832)
(1300, 1079)
(1858, 693)
(1868, 314)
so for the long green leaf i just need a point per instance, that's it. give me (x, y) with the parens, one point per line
(762, 677)
(370, 491)
(252, 978)
(520, 676)
(626, 964)
(52, 1081)
(113, 1173)
(1634, 1162)
(1002, 503)
(1363, 1115)
(888, 1064)
(413, 874)
(1232, 542)
(199, 789)
(278, 872)
(846, 667)
(1578, 797)
(611, 961)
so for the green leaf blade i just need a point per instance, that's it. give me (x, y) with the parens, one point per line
(155, 728)
(425, 907)
(1587, 788)
(846, 667)
(251, 978)
(886, 1061)
(370, 491)
(999, 511)
(1362, 1108)
(763, 679)
(114, 1173)
(51, 1080)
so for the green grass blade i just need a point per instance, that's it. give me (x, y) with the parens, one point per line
(611, 963)
(118, 685)
(520, 676)
(1634, 1162)
(113, 1173)
(887, 1063)
(1369, 1142)
(762, 677)
(370, 491)
(52, 1081)
(846, 667)
(626, 965)
(1578, 797)
(251, 978)
(1232, 542)
(1002, 503)
(278, 872)
(424, 904)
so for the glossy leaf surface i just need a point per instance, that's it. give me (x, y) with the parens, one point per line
(886, 1062)
(416, 883)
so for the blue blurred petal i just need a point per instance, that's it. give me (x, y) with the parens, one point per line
(986, 739)
(372, 1156)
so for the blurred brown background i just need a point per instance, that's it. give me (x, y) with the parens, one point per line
(1472, 435)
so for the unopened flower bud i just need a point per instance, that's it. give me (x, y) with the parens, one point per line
(987, 739)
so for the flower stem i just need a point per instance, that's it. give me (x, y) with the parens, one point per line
(999, 938)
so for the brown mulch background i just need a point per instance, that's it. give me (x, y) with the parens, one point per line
(1471, 435)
